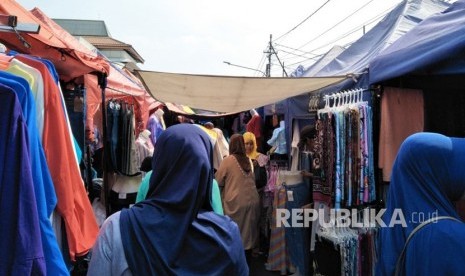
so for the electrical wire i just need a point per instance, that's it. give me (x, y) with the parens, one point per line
(262, 62)
(345, 46)
(297, 50)
(349, 33)
(295, 55)
(346, 34)
(332, 27)
(336, 24)
(303, 21)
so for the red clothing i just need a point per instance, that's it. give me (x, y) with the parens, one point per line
(255, 126)
(73, 204)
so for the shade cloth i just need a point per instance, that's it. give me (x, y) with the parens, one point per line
(227, 93)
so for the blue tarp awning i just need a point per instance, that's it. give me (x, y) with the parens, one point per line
(399, 21)
(432, 46)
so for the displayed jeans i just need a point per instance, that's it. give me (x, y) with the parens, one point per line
(113, 127)
(305, 163)
(298, 238)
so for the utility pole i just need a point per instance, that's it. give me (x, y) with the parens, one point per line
(269, 52)
(280, 63)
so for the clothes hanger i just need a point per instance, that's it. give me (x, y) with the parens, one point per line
(4, 59)
(325, 108)
(346, 98)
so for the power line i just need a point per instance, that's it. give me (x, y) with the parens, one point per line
(326, 31)
(346, 34)
(245, 67)
(302, 21)
(352, 31)
(345, 46)
(316, 56)
(297, 50)
(262, 61)
(295, 55)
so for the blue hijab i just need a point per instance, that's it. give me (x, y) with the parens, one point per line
(174, 231)
(428, 174)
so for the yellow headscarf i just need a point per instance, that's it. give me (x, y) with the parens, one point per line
(249, 136)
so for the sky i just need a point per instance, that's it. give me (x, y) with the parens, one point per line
(199, 36)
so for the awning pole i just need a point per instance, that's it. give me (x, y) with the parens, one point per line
(102, 81)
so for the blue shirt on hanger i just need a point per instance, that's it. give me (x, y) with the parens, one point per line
(20, 246)
(43, 186)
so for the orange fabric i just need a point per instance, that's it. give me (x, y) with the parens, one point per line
(5, 61)
(73, 204)
(120, 80)
(123, 80)
(69, 62)
(402, 114)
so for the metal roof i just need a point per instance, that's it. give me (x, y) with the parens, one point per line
(97, 34)
(78, 27)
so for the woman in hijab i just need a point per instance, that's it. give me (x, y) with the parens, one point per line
(251, 150)
(427, 176)
(240, 198)
(259, 161)
(173, 231)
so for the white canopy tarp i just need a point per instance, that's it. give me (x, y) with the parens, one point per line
(228, 94)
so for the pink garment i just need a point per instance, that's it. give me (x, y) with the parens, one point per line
(402, 114)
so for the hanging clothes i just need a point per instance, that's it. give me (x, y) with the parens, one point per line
(346, 251)
(345, 172)
(402, 114)
(278, 139)
(278, 257)
(124, 157)
(321, 189)
(254, 125)
(73, 204)
(36, 84)
(298, 195)
(45, 195)
(156, 125)
(144, 147)
(21, 248)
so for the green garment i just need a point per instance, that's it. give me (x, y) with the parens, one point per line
(144, 187)
(215, 199)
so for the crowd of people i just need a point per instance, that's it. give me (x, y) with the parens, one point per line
(186, 208)
(165, 233)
